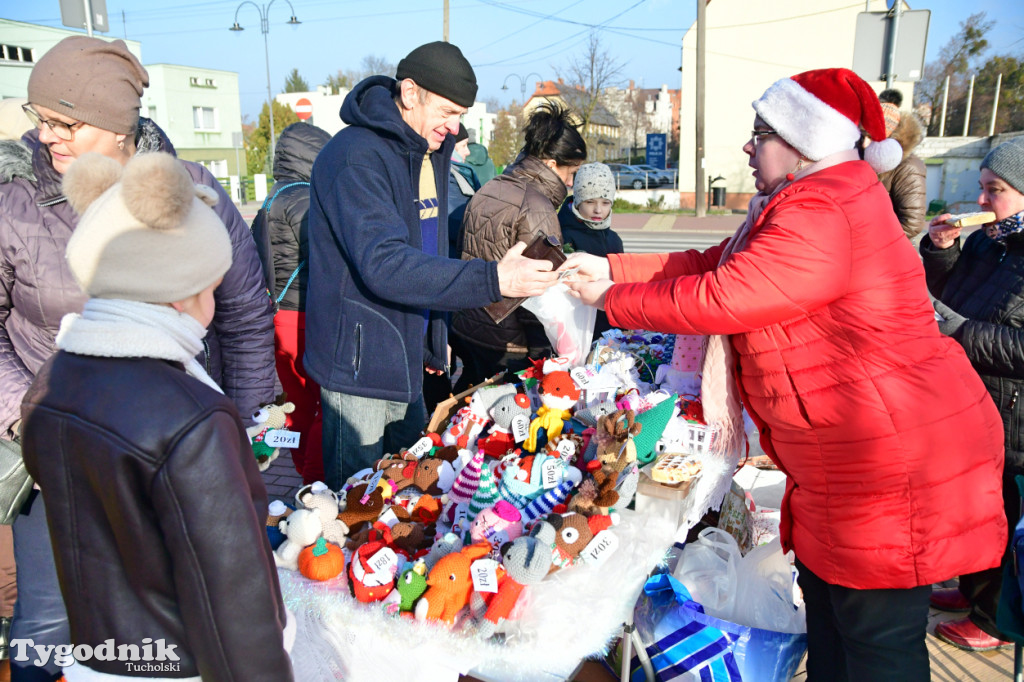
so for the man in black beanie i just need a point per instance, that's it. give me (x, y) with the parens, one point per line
(380, 279)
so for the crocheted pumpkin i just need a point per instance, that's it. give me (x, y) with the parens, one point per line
(322, 561)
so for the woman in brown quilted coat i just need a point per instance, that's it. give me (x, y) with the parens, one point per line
(514, 207)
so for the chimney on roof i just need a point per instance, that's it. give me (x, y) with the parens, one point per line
(631, 84)
(560, 81)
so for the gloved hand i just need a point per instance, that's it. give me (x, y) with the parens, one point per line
(951, 321)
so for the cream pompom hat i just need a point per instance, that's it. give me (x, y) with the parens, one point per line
(147, 232)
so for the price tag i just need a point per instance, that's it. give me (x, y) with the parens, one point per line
(566, 449)
(384, 564)
(389, 518)
(600, 548)
(551, 472)
(582, 376)
(421, 447)
(461, 513)
(496, 538)
(485, 575)
(280, 438)
(371, 486)
(520, 428)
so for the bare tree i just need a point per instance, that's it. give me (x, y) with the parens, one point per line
(371, 65)
(586, 77)
(955, 60)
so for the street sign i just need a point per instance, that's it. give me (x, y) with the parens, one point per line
(656, 144)
(72, 14)
(873, 38)
(303, 108)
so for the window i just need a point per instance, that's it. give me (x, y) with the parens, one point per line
(204, 118)
(14, 53)
(197, 82)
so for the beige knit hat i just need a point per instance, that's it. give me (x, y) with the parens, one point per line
(90, 80)
(147, 232)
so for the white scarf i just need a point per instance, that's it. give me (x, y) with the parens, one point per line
(720, 398)
(115, 328)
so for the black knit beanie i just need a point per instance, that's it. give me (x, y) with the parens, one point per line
(440, 68)
(463, 134)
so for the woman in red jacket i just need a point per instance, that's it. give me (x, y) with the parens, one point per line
(819, 323)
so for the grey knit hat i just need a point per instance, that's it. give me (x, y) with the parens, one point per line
(90, 80)
(1007, 161)
(593, 181)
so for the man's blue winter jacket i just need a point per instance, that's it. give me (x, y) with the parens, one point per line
(369, 278)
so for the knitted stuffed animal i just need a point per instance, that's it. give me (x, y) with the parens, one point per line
(615, 446)
(319, 498)
(497, 525)
(441, 548)
(268, 418)
(499, 439)
(449, 584)
(371, 582)
(357, 512)
(301, 529)
(411, 586)
(558, 392)
(568, 535)
(470, 421)
(526, 561)
(596, 494)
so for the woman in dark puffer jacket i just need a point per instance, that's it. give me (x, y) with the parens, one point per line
(980, 292)
(84, 96)
(281, 230)
(515, 207)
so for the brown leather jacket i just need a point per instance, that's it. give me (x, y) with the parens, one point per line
(906, 184)
(513, 207)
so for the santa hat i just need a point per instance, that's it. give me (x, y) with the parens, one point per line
(822, 112)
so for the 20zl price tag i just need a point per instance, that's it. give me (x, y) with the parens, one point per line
(280, 438)
(485, 575)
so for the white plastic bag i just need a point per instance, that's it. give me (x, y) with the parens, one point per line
(767, 596)
(568, 322)
(707, 568)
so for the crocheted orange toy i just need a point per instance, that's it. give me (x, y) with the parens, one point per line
(449, 584)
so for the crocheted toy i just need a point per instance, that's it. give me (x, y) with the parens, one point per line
(467, 480)
(558, 392)
(434, 475)
(499, 439)
(568, 535)
(322, 561)
(469, 422)
(596, 494)
(410, 538)
(373, 568)
(400, 470)
(277, 510)
(521, 482)
(449, 584)
(615, 446)
(526, 561)
(412, 583)
(497, 525)
(551, 500)
(301, 529)
(442, 547)
(268, 418)
(320, 499)
(357, 512)
(486, 493)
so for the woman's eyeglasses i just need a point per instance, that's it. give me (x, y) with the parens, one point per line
(65, 131)
(758, 135)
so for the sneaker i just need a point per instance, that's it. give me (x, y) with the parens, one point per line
(963, 634)
(949, 599)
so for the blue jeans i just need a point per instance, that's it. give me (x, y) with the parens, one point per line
(358, 431)
(39, 613)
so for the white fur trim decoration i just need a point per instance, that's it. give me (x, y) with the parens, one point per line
(812, 127)
(883, 155)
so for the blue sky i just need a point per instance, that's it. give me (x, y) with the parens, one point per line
(504, 39)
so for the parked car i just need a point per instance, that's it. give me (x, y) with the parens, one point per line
(664, 177)
(630, 177)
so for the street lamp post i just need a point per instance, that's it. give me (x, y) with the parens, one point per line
(264, 11)
(522, 84)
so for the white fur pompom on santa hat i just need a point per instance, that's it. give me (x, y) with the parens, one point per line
(822, 112)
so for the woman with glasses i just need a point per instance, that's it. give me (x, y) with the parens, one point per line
(84, 97)
(819, 323)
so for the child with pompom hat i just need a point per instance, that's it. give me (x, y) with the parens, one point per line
(142, 456)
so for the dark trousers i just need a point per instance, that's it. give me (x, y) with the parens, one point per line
(39, 613)
(982, 589)
(479, 363)
(856, 635)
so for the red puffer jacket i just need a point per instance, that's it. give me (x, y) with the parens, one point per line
(891, 444)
